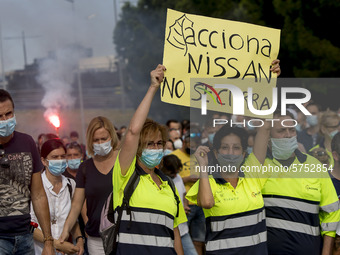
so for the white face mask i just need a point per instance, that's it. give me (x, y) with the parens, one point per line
(178, 144)
(204, 140)
(102, 149)
(283, 148)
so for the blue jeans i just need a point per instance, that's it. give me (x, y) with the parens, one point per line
(19, 245)
(188, 246)
(196, 223)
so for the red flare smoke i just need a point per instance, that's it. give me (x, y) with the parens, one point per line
(55, 121)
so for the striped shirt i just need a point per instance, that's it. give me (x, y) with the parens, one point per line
(236, 223)
(299, 210)
(149, 227)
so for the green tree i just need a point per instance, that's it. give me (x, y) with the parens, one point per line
(309, 42)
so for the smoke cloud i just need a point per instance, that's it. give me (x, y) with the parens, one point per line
(56, 76)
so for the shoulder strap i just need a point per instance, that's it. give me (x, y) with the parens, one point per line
(130, 187)
(128, 190)
(171, 183)
(173, 187)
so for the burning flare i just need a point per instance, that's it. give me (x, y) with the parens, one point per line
(55, 121)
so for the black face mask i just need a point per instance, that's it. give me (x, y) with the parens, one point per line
(189, 151)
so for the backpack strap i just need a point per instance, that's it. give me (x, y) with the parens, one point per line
(130, 187)
(173, 188)
(128, 190)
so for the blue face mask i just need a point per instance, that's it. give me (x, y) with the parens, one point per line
(312, 120)
(151, 158)
(167, 152)
(333, 133)
(283, 148)
(74, 163)
(7, 127)
(88, 155)
(211, 137)
(249, 149)
(298, 128)
(57, 167)
(250, 127)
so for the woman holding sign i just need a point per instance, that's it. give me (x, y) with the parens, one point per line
(149, 223)
(231, 200)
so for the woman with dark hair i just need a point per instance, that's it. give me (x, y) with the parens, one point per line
(59, 191)
(154, 210)
(231, 198)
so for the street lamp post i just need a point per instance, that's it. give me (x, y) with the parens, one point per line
(78, 76)
(23, 38)
(3, 75)
(119, 62)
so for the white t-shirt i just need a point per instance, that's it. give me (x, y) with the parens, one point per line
(59, 205)
(183, 228)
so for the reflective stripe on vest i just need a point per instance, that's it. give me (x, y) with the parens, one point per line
(293, 226)
(330, 226)
(238, 222)
(146, 217)
(237, 242)
(331, 207)
(146, 227)
(145, 240)
(291, 204)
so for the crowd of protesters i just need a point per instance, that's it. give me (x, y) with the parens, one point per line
(53, 191)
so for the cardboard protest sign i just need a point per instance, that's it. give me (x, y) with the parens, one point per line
(235, 53)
